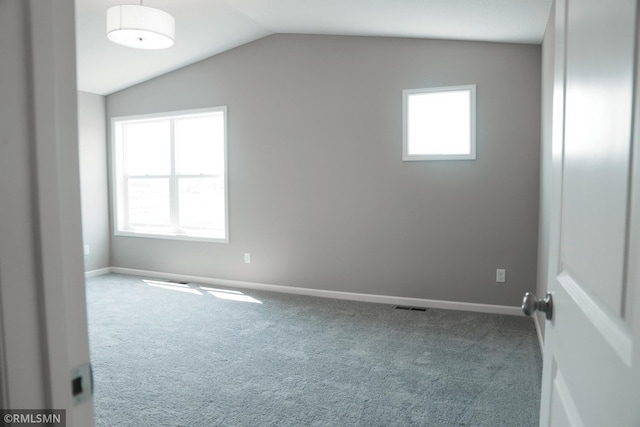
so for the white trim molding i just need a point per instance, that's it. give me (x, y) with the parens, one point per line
(353, 296)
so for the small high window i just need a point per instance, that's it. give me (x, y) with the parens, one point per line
(439, 123)
(170, 175)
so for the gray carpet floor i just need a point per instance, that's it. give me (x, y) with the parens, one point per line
(168, 354)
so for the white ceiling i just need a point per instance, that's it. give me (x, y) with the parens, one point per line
(207, 27)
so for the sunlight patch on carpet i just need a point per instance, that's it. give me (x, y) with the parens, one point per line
(172, 286)
(228, 294)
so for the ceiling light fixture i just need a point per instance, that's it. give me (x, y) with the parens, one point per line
(140, 27)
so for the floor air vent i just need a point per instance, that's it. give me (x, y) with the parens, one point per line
(409, 308)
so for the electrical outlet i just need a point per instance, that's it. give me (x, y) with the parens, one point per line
(87, 250)
(501, 274)
(247, 258)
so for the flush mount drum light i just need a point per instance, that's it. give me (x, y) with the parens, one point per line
(140, 27)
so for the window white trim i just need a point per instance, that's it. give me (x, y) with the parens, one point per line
(406, 94)
(119, 205)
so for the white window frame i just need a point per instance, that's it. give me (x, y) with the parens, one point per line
(117, 179)
(405, 124)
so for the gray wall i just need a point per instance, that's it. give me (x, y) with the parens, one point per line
(319, 194)
(546, 171)
(94, 180)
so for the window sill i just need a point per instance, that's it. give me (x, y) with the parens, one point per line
(170, 236)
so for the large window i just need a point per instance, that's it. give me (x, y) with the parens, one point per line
(170, 175)
(439, 123)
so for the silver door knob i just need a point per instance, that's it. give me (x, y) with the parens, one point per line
(531, 304)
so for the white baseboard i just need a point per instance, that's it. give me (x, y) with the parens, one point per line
(98, 272)
(382, 299)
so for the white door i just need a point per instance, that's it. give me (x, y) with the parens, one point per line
(44, 349)
(591, 374)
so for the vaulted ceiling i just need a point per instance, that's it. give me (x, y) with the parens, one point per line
(207, 27)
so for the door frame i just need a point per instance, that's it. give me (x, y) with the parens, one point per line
(40, 348)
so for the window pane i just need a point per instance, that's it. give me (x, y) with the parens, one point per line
(200, 145)
(172, 173)
(439, 123)
(148, 203)
(147, 148)
(202, 205)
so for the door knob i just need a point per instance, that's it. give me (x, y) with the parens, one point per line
(531, 303)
